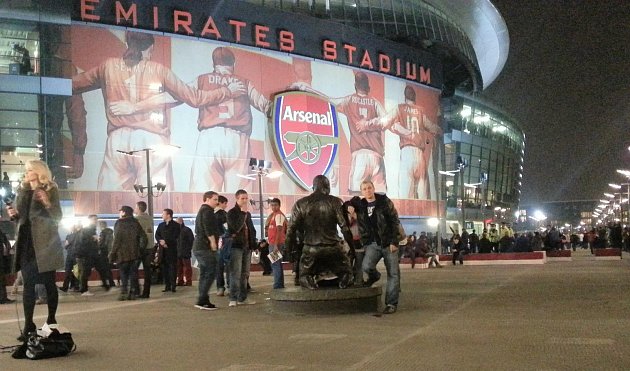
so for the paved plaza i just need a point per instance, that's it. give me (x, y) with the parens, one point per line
(558, 316)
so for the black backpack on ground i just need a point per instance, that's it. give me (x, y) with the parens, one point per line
(38, 347)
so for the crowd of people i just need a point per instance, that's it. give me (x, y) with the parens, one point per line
(224, 239)
(222, 244)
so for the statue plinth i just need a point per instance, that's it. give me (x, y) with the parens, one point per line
(298, 300)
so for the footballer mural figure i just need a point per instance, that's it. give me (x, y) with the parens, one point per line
(133, 87)
(366, 147)
(223, 147)
(417, 134)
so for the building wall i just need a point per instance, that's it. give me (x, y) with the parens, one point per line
(493, 146)
(63, 51)
(268, 73)
(74, 135)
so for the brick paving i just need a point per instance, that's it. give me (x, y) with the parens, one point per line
(558, 316)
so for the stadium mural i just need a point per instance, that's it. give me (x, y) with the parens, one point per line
(225, 103)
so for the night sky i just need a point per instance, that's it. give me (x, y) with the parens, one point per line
(567, 83)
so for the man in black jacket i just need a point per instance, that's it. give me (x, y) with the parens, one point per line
(5, 267)
(87, 255)
(184, 249)
(379, 225)
(205, 247)
(316, 218)
(128, 247)
(241, 230)
(105, 243)
(167, 234)
(225, 246)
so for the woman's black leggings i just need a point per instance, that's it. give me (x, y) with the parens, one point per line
(31, 276)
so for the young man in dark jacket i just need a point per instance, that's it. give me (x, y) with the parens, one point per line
(241, 229)
(378, 225)
(184, 249)
(225, 247)
(105, 242)
(167, 234)
(205, 248)
(5, 267)
(87, 255)
(127, 249)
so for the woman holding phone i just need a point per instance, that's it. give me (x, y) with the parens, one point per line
(39, 251)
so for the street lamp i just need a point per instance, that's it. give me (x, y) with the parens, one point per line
(483, 181)
(167, 149)
(261, 169)
(626, 173)
(461, 165)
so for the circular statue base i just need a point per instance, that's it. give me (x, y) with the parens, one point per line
(299, 300)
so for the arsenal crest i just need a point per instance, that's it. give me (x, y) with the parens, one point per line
(306, 135)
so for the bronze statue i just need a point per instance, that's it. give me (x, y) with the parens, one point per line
(314, 221)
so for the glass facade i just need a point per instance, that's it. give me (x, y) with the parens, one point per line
(491, 146)
(30, 123)
(39, 44)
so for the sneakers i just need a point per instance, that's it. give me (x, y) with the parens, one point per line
(372, 279)
(246, 302)
(87, 293)
(389, 309)
(221, 292)
(232, 303)
(207, 306)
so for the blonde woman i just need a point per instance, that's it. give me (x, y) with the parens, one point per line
(38, 247)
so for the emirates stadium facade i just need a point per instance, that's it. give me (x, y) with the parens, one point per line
(172, 98)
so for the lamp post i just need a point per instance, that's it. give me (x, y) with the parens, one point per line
(261, 169)
(461, 165)
(626, 173)
(483, 179)
(159, 187)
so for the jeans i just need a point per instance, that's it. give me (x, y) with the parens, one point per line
(207, 260)
(357, 267)
(32, 276)
(240, 262)
(276, 268)
(223, 261)
(128, 277)
(459, 255)
(147, 259)
(373, 254)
